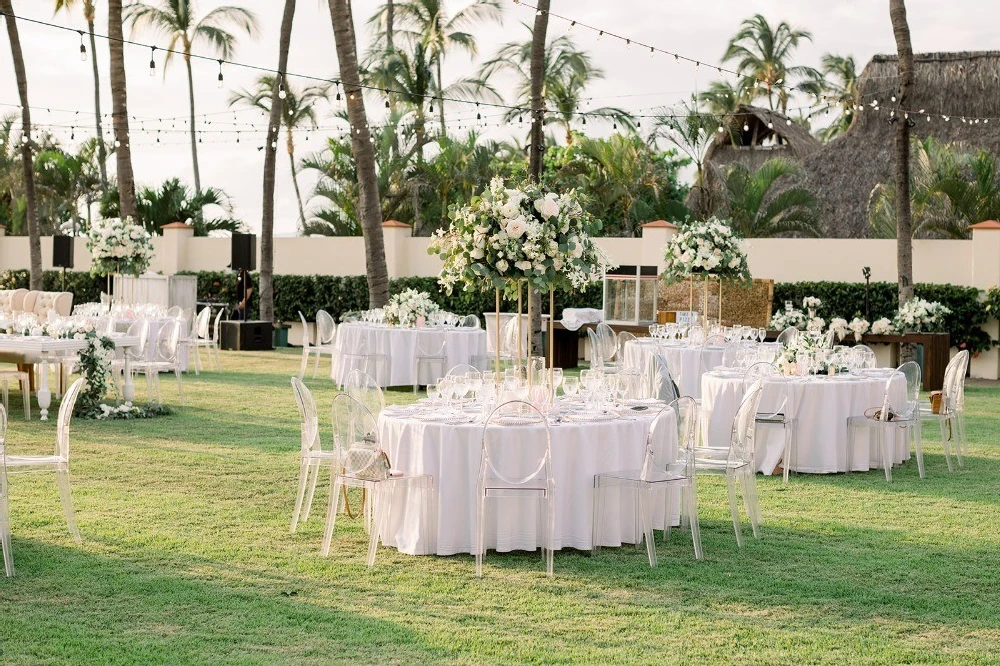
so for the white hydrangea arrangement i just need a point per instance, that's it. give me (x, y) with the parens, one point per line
(119, 246)
(709, 248)
(859, 327)
(782, 320)
(520, 233)
(920, 316)
(882, 326)
(811, 304)
(409, 308)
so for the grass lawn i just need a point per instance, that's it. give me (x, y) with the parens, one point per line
(186, 558)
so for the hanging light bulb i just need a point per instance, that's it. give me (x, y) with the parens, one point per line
(220, 74)
(600, 34)
(652, 51)
(83, 47)
(152, 61)
(72, 133)
(338, 91)
(387, 102)
(282, 93)
(432, 106)
(746, 127)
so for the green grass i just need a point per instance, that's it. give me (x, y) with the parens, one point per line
(187, 559)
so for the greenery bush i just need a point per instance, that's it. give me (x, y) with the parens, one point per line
(847, 300)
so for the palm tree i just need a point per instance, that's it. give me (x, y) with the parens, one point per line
(840, 92)
(173, 202)
(176, 20)
(904, 220)
(427, 22)
(763, 56)
(761, 204)
(536, 87)
(119, 111)
(364, 156)
(723, 99)
(298, 109)
(27, 168)
(88, 14)
(566, 73)
(273, 90)
(691, 131)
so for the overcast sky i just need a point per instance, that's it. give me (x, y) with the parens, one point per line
(57, 78)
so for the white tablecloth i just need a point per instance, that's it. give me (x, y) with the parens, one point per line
(821, 407)
(451, 454)
(684, 361)
(398, 347)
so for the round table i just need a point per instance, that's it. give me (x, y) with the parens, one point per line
(685, 361)
(820, 406)
(397, 348)
(451, 454)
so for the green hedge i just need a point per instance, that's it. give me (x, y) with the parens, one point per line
(847, 300)
(340, 294)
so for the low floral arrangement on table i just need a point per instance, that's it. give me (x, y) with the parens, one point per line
(807, 354)
(119, 246)
(920, 316)
(409, 308)
(859, 326)
(520, 233)
(788, 318)
(705, 248)
(882, 326)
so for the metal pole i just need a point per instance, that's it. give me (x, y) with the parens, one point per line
(496, 344)
(520, 334)
(552, 323)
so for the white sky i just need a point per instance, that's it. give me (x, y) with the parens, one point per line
(57, 79)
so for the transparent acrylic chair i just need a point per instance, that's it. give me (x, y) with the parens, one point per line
(788, 336)
(359, 450)
(137, 329)
(882, 428)
(738, 466)
(510, 353)
(659, 383)
(362, 387)
(762, 372)
(361, 358)
(429, 362)
(200, 333)
(661, 472)
(326, 339)
(24, 382)
(624, 337)
(609, 347)
(165, 358)
(59, 461)
(951, 415)
(5, 530)
(596, 349)
(470, 321)
(505, 475)
(312, 457)
(308, 348)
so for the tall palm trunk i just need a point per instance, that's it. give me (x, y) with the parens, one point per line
(904, 222)
(364, 155)
(119, 112)
(444, 130)
(194, 134)
(102, 154)
(27, 162)
(270, 158)
(390, 18)
(537, 149)
(290, 145)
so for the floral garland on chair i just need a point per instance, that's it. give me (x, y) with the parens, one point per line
(522, 233)
(119, 246)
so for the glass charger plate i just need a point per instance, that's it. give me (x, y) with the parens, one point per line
(515, 420)
(590, 417)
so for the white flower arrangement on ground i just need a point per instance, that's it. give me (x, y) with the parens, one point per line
(119, 246)
(920, 316)
(709, 248)
(521, 233)
(882, 326)
(782, 320)
(409, 308)
(839, 327)
(859, 327)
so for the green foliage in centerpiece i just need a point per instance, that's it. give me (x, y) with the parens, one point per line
(708, 248)
(119, 246)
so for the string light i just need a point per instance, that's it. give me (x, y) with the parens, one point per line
(83, 47)
(282, 93)
(221, 79)
(152, 61)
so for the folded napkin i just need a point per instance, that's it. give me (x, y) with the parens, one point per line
(574, 318)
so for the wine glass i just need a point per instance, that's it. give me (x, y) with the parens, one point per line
(571, 386)
(433, 392)
(761, 334)
(475, 382)
(460, 386)
(557, 379)
(447, 388)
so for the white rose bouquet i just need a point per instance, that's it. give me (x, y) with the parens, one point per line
(782, 320)
(920, 316)
(521, 233)
(882, 326)
(409, 307)
(705, 248)
(119, 246)
(816, 324)
(839, 327)
(859, 327)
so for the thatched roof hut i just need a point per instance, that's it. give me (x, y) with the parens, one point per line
(843, 173)
(755, 135)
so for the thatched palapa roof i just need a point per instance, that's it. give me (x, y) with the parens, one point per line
(961, 85)
(768, 134)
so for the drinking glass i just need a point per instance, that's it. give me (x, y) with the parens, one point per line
(557, 379)
(761, 334)
(475, 382)
(447, 389)
(571, 385)
(460, 386)
(433, 392)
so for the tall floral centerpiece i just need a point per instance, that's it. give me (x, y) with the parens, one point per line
(509, 236)
(119, 247)
(705, 250)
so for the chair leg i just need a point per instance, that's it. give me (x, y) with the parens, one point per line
(316, 366)
(25, 398)
(750, 499)
(180, 387)
(943, 423)
(5, 544)
(919, 448)
(303, 480)
(734, 507)
(690, 495)
(550, 532)
(646, 509)
(786, 458)
(312, 481)
(381, 505)
(963, 441)
(885, 448)
(668, 505)
(851, 430)
(480, 545)
(197, 357)
(62, 478)
(331, 512)
(304, 364)
(595, 522)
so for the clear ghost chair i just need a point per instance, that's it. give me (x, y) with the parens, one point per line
(164, 358)
(308, 348)
(5, 545)
(312, 457)
(59, 461)
(788, 336)
(357, 454)
(137, 329)
(661, 471)
(362, 358)
(431, 357)
(24, 382)
(461, 369)
(864, 356)
(326, 339)
(470, 321)
(202, 337)
(882, 428)
(609, 347)
(708, 347)
(363, 388)
(659, 384)
(596, 350)
(948, 413)
(738, 466)
(624, 337)
(505, 475)
(761, 373)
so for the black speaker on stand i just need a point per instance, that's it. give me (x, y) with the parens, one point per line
(244, 252)
(62, 255)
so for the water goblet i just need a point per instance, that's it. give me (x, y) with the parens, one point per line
(557, 379)
(571, 386)
(433, 392)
